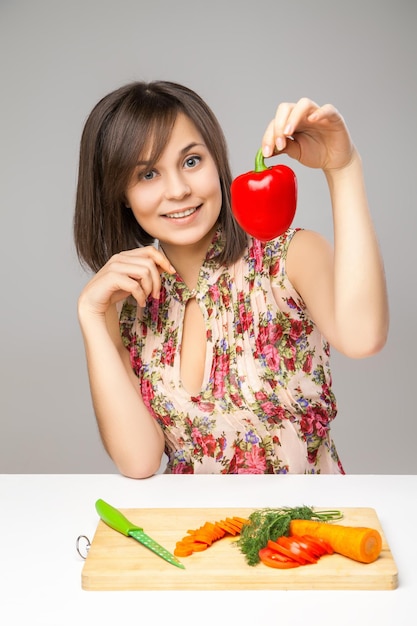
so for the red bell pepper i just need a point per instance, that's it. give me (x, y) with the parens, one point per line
(264, 200)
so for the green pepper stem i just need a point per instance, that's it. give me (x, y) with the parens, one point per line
(259, 162)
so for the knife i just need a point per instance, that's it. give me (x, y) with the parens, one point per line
(116, 520)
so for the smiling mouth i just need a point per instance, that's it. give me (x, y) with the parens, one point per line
(180, 214)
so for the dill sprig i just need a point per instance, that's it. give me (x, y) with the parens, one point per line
(270, 523)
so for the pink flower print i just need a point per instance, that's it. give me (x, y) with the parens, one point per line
(272, 357)
(168, 352)
(308, 363)
(237, 461)
(273, 410)
(220, 370)
(254, 461)
(182, 468)
(245, 319)
(135, 360)
(322, 425)
(262, 338)
(312, 456)
(236, 399)
(153, 305)
(268, 408)
(296, 329)
(214, 293)
(166, 420)
(226, 300)
(275, 268)
(290, 364)
(221, 443)
(291, 303)
(308, 329)
(209, 445)
(257, 253)
(315, 421)
(147, 392)
(205, 406)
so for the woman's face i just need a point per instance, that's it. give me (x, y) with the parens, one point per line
(179, 200)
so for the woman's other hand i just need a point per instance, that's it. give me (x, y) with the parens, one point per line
(314, 135)
(133, 272)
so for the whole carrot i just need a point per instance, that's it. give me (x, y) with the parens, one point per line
(358, 543)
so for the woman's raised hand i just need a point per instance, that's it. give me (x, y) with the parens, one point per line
(314, 135)
(133, 272)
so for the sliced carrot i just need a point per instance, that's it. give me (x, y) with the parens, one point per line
(234, 523)
(242, 520)
(359, 543)
(188, 539)
(229, 529)
(199, 539)
(199, 546)
(183, 550)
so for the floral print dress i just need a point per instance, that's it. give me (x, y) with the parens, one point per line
(266, 403)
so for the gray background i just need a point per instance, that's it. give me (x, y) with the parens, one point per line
(58, 58)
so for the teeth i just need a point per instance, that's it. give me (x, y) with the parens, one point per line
(183, 214)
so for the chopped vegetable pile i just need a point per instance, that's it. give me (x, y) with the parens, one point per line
(286, 537)
(270, 524)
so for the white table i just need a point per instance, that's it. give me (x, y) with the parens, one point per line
(41, 517)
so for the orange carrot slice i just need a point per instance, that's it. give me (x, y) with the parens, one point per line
(199, 539)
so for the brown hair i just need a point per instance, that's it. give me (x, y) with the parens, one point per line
(118, 130)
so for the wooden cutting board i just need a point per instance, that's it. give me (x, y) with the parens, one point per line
(116, 562)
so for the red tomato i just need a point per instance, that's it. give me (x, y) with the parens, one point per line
(271, 558)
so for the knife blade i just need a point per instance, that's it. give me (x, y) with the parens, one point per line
(116, 520)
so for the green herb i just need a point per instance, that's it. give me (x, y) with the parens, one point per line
(266, 524)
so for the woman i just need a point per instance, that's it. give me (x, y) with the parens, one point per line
(200, 340)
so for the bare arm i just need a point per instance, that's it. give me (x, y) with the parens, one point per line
(131, 436)
(344, 289)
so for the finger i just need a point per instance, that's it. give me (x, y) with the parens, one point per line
(122, 286)
(268, 140)
(282, 126)
(152, 263)
(157, 256)
(128, 286)
(297, 118)
(141, 269)
(325, 112)
(275, 136)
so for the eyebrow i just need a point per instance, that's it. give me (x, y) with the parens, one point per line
(190, 146)
(183, 151)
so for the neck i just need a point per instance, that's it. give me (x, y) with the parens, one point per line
(188, 259)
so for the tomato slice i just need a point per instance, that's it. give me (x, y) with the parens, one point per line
(321, 543)
(274, 545)
(312, 547)
(271, 558)
(293, 545)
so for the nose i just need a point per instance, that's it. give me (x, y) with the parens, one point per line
(176, 187)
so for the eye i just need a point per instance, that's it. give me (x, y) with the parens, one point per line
(147, 175)
(192, 161)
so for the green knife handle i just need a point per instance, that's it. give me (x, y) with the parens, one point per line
(113, 518)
